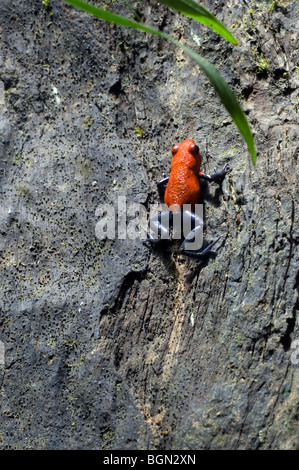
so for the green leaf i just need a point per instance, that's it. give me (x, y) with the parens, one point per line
(226, 95)
(224, 92)
(112, 17)
(199, 13)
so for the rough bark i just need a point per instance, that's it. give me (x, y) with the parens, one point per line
(109, 345)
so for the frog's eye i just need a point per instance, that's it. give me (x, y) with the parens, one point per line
(174, 149)
(194, 149)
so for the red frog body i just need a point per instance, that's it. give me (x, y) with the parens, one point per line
(183, 184)
(180, 189)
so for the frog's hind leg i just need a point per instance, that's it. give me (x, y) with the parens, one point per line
(159, 227)
(192, 244)
(207, 251)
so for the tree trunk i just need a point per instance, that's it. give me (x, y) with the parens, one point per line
(107, 344)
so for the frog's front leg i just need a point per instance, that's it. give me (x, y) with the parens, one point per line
(162, 185)
(217, 176)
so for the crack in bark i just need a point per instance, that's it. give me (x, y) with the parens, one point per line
(126, 285)
(291, 243)
(286, 339)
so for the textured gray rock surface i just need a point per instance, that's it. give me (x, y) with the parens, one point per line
(105, 344)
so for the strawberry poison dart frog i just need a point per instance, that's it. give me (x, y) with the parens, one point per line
(182, 188)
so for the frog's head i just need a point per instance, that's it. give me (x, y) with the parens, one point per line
(189, 146)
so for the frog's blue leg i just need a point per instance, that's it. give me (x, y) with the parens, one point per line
(192, 220)
(200, 254)
(159, 227)
(217, 176)
(196, 225)
(162, 185)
